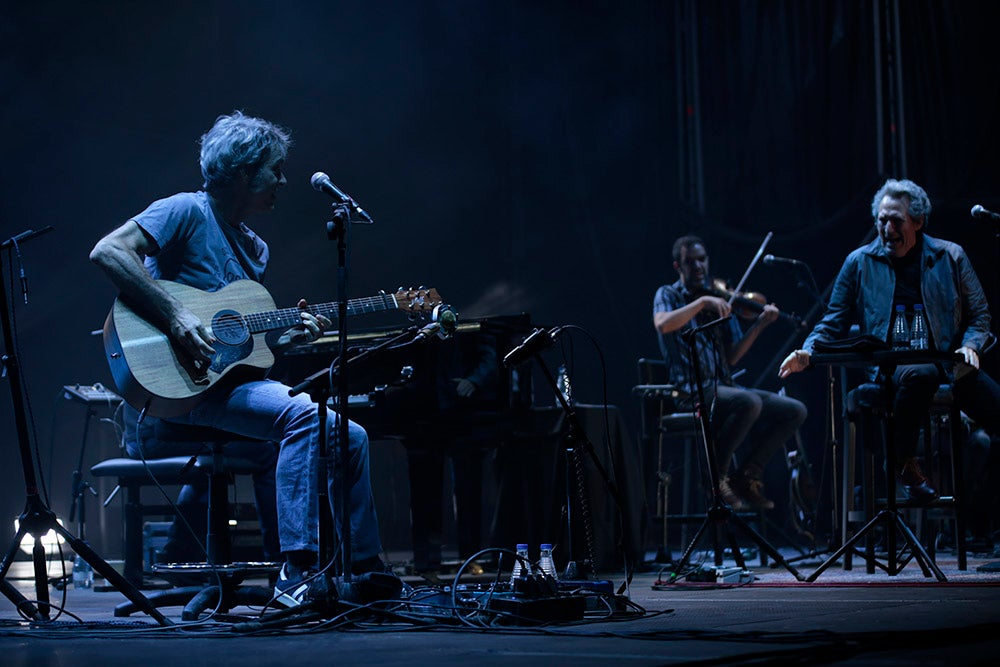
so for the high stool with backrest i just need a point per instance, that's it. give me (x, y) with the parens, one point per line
(223, 589)
(661, 424)
(866, 406)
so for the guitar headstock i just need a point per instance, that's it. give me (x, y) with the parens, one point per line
(420, 300)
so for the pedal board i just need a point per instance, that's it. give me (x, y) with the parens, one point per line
(721, 575)
(526, 611)
(94, 393)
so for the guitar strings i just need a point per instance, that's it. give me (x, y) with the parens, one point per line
(275, 319)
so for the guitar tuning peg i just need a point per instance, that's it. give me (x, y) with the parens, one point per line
(422, 288)
(399, 289)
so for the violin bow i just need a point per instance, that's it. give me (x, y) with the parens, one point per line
(753, 263)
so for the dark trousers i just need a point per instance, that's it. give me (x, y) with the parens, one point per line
(427, 469)
(762, 419)
(914, 386)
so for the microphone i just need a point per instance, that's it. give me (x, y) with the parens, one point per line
(445, 319)
(322, 183)
(771, 260)
(539, 340)
(981, 213)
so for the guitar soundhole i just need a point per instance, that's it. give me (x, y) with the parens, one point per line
(229, 328)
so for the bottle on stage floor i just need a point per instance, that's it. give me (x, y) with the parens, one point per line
(520, 568)
(83, 573)
(545, 562)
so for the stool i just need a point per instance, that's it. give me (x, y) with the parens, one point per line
(662, 422)
(658, 425)
(872, 400)
(132, 475)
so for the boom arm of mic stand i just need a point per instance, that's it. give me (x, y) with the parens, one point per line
(691, 333)
(323, 377)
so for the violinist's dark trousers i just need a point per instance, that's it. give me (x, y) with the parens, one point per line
(762, 420)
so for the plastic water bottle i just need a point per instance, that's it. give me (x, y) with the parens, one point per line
(562, 383)
(900, 331)
(520, 568)
(545, 562)
(83, 573)
(918, 331)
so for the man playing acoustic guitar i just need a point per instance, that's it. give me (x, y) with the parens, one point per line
(200, 240)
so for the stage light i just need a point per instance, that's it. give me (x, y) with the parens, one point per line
(50, 540)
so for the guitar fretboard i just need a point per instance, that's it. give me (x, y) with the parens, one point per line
(288, 317)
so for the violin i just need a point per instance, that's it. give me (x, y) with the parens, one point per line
(746, 305)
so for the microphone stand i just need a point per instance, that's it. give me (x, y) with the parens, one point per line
(720, 513)
(331, 590)
(319, 385)
(576, 435)
(38, 519)
(325, 592)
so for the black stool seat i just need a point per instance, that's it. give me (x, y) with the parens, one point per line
(172, 470)
(219, 581)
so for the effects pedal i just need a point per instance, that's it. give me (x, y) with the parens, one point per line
(94, 393)
(721, 575)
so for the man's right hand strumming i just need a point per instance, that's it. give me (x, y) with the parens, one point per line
(191, 334)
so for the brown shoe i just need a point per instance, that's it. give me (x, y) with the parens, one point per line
(749, 487)
(915, 483)
(727, 493)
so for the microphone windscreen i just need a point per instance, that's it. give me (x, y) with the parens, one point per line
(318, 179)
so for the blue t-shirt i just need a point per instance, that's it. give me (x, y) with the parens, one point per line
(195, 248)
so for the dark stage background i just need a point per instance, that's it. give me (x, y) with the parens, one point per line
(519, 156)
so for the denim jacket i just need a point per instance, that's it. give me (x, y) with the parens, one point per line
(954, 302)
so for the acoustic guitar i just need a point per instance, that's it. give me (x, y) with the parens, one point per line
(151, 372)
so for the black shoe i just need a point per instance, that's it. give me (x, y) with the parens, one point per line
(920, 493)
(373, 580)
(916, 486)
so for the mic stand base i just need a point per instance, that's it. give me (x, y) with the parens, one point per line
(721, 514)
(37, 520)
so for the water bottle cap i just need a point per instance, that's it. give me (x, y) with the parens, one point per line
(900, 306)
(546, 546)
(918, 306)
(522, 546)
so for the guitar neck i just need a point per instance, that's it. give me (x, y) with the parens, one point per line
(285, 318)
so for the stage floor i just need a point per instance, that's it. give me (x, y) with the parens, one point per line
(842, 618)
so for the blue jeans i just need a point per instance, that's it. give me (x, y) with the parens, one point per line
(263, 411)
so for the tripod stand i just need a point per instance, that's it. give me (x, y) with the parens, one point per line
(37, 519)
(576, 439)
(720, 513)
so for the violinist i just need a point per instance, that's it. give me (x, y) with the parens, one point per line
(749, 424)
